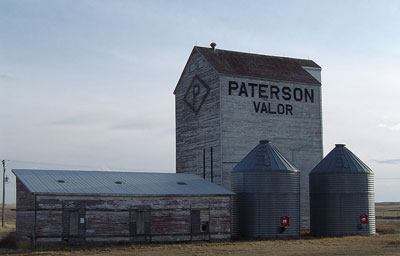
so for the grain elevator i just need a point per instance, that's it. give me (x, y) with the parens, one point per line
(227, 101)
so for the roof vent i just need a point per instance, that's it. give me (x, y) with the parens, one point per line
(213, 46)
(181, 183)
(118, 182)
(264, 141)
(61, 181)
(340, 145)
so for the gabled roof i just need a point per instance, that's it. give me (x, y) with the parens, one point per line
(341, 160)
(260, 66)
(106, 183)
(265, 157)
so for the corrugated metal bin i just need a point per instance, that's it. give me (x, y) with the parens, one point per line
(342, 195)
(267, 201)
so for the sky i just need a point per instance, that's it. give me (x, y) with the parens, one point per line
(89, 84)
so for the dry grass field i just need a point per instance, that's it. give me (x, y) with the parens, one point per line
(387, 210)
(9, 220)
(385, 242)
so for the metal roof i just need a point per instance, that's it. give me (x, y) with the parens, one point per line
(260, 66)
(116, 183)
(341, 159)
(265, 157)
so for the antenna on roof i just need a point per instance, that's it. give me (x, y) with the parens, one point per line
(213, 46)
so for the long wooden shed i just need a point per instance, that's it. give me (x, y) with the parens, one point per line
(103, 206)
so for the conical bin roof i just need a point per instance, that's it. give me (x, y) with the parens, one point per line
(265, 157)
(341, 160)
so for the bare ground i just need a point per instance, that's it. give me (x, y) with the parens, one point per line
(386, 242)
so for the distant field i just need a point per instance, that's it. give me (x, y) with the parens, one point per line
(385, 210)
(386, 242)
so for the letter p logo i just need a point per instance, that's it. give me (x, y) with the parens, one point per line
(196, 94)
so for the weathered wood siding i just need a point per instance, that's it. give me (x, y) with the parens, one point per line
(170, 222)
(114, 219)
(25, 215)
(48, 223)
(199, 130)
(101, 223)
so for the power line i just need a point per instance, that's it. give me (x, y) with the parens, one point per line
(47, 163)
(82, 166)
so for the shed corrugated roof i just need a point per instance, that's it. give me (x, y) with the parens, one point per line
(260, 66)
(341, 160)
(104, 183)
(265, 157)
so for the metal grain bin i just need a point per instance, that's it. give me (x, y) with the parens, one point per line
(267, 200)
(342, 195)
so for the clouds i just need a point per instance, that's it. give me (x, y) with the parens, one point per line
(7, 76)
(109, 120)
(73, 118)
(135, 125)
(73, 121)
(388, 161)
(393, 127)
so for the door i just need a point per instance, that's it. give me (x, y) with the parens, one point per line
(74, 224)
(140, 223)
(195, 221)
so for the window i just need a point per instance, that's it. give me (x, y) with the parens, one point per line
(191, 67)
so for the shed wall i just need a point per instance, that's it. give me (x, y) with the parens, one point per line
(25, 215)
(113, 219)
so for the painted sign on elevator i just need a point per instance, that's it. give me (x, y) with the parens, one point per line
(271, 92)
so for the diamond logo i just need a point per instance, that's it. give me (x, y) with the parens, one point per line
(196, 94)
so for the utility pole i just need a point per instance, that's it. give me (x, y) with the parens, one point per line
(4, 192)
